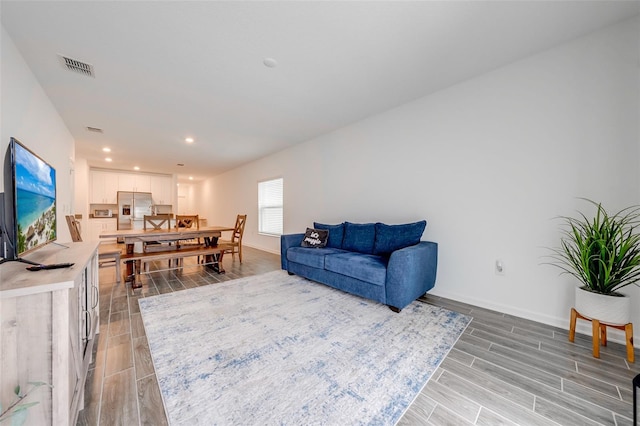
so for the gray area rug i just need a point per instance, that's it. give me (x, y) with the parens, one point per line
(275, 349)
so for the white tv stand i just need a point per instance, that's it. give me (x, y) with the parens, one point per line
(48, 321)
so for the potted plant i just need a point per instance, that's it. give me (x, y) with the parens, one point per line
(17, 411)
(603, 253)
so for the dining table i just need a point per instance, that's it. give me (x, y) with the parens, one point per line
(134, 239)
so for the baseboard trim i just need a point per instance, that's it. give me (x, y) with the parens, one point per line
(582, 327)
(262, 248)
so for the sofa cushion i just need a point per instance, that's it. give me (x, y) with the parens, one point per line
(316, 238)
(364, 267)
(313, 257)
(359, 237)
(336, 232)
(390, 238)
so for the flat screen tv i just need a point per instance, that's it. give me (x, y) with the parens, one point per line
(29, 202)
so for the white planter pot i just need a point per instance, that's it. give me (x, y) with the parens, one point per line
(608, 309)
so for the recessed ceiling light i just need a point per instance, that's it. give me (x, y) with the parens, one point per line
(270, 62)
(136, 168)
(189, 140)
(108, 160)
(190, 177)
(106, 149)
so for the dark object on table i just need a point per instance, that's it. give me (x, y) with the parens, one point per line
(52, 266)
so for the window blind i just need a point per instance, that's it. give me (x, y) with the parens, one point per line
(270, 207)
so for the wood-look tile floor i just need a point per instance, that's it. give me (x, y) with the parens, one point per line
(503, 370)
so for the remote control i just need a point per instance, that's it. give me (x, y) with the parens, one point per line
(52, 266)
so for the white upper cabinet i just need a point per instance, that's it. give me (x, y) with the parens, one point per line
(162, 189)
(134, 182)
(104, 188)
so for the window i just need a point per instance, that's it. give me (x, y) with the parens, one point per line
(270, 206)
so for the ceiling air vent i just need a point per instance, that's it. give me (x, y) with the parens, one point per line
(77, 66)
(95, 129)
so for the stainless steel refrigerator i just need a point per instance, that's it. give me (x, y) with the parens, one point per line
(132, 206)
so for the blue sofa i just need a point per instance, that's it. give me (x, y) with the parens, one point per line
(385, 263)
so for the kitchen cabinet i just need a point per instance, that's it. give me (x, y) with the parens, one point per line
(98, 226)
(104, 187)
(49, 324)
(134, 182)
(162, 189)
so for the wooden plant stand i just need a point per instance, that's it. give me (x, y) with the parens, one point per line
(599, 330)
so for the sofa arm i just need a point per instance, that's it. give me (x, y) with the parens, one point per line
(411, 272)
(286, 241)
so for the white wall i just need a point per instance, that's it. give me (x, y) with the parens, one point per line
(81, 194)
(28, 115)
(187, 200)
(488, 163)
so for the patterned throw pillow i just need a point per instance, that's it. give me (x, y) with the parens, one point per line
(315, 238)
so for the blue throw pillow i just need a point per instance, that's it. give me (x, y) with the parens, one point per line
(390, 238)
(359, 237)
(336, 232)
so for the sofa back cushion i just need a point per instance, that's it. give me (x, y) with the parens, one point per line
(390, 238)
(359, 237)
(336, 233)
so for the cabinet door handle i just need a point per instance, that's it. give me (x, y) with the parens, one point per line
(94, 296)
(86, 333)
(90, 321)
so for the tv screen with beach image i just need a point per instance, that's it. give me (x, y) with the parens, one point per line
(36, 200)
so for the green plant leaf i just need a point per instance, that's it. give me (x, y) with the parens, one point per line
(38, 384)
(19, 417)
(26, 406)
(602, 252)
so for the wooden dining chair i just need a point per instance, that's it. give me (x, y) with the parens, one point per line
(108, 254)
(156, 222)
(236, 238)
(187, 221)
(74, 228)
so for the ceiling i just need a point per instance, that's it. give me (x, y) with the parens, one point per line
(165, 71)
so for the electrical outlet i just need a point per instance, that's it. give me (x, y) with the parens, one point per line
(499, 267)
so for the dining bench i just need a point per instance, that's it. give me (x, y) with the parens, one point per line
(212, 258)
